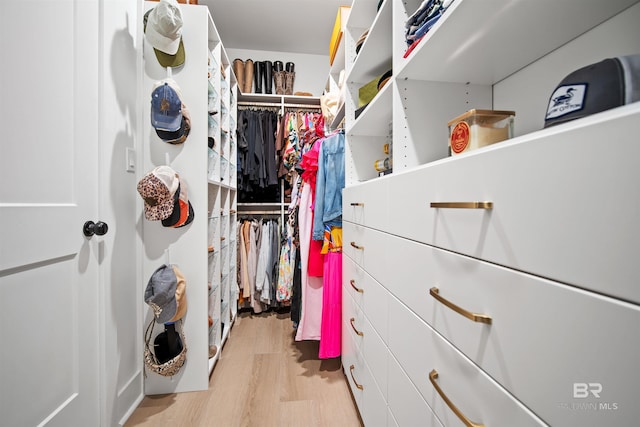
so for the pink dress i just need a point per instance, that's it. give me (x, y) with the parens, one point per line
(331, 328)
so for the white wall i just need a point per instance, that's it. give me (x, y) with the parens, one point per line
(311, 70)
(121, 335)
(535, 83)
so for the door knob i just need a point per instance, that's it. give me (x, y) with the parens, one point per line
(90, 228)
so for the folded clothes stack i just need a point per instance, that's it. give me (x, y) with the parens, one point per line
(421, 21)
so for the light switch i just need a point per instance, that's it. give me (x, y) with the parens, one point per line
(130, 159)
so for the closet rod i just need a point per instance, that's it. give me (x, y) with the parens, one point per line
(241, 213)
(277, 104)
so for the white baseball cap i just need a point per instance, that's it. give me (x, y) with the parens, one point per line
(163, 31)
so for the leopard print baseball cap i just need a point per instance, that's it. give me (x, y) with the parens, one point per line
(157, 188)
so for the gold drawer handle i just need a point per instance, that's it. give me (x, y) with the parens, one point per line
(357, 204)
(356, 246)
(360, 387)
(482, 318)
(433, 375)
(353, 285)
(463, 205)
(360, 334)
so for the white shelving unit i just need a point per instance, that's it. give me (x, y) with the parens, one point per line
(211, 192)
(369, 132)
(463, 62)
(222, 198)
(534, 271)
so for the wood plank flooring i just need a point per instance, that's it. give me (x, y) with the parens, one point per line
(263, 378)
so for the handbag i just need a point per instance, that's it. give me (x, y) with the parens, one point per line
(171, 366)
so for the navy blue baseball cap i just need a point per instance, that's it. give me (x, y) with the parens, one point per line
(166, 107)
(597, 87)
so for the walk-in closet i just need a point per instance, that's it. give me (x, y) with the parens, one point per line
(353, 213)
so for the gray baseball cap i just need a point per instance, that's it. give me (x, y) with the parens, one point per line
(597, 87)
(161, 293)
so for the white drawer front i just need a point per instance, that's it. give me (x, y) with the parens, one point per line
(373, 408)
(368, 294)
(544, 336)
(369, 399)
(565, 205)
(419, 350)
(351, 356)
(362, 246)
(351, 316)
(366, 204)
(375, 354)
(353, 279)
(366, 340)
(407, 406)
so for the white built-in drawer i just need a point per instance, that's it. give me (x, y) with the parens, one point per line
(351, 356)
(368, 294)
(354, 278)
(363, 248)
(543, 336)
(369, 399)
(407, 406)
(366, 340)
(565, 200)
(350, 310)
(366, 204)
(420, 350)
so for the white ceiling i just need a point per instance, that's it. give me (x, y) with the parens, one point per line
(300, 26)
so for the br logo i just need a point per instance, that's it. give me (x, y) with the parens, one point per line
(583, 390)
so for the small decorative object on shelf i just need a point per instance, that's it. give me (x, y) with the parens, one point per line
(478, 128)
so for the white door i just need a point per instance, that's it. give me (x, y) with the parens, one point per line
(49, 82)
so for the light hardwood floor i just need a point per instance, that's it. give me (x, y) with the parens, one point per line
(264, 378)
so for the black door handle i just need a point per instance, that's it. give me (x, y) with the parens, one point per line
(90, 228)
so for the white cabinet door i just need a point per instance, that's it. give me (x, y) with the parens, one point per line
(49, 84)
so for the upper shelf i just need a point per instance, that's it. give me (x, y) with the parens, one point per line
(338, 61)
(479, 43)
(362, 13)
(374, 120)
(375, 55)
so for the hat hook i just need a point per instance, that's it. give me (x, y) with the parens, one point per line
(169, 72)
(167, 257)
(167, 159)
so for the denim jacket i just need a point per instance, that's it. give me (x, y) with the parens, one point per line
(329, 184)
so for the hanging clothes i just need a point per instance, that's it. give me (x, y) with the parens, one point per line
(310, 165)
(263, 273)
(258, 255)
(256, 162)
(286, 266)
(311, 307)
(331, 328)
(330, 182)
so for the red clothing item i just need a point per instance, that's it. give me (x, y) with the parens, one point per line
(309, 163)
